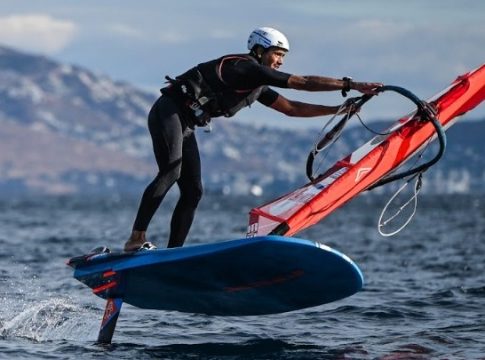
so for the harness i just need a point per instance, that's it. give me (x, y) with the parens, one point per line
(204, 94)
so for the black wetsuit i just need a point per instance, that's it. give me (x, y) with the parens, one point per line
(230, 82)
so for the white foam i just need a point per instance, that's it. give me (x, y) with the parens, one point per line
(51, 319)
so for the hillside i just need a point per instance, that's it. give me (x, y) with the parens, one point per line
(66, 130)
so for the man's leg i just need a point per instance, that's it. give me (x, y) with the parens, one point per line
(190, 185)
(167, 137)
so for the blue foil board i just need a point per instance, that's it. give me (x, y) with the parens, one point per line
(262, 275)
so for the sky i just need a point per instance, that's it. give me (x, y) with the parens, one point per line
(421, 45)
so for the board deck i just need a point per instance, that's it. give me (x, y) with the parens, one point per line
(261, 275)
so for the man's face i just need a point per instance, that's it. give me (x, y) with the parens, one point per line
(273, 57)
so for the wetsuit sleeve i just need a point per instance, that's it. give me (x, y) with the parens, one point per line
(243, 74)
(268, 96)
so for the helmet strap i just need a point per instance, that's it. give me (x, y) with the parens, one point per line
(258, 52)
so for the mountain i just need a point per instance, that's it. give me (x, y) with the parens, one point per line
(66, 130)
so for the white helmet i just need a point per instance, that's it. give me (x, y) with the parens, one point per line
(268, 37)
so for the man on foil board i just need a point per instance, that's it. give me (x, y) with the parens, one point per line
(268, 272)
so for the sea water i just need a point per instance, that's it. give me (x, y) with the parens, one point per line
(424, 294)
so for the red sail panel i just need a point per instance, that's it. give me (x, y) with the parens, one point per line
(374, 160)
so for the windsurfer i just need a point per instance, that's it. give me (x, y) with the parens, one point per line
(220, 87)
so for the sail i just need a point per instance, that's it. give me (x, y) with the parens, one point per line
(367, 165)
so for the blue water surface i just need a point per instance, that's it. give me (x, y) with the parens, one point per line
(424, 296)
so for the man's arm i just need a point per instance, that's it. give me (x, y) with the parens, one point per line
(249, 75)
(300, 109)
(321, 83)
